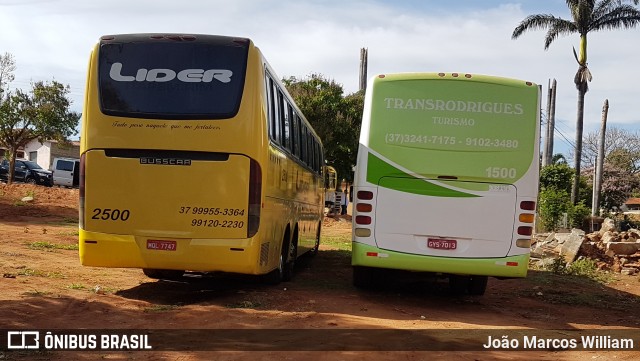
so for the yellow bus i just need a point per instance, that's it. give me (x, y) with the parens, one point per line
(195, 158)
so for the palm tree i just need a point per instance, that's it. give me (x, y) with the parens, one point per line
(587, 16)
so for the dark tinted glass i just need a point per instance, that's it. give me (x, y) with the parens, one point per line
(172, 78)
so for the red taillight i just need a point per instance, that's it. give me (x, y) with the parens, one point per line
(363, 220)
(81, 180)
(528, 205)
(365, 195)
(525, 230)
(255, 198)
(364, 207)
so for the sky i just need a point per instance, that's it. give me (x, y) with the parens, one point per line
(52, 40)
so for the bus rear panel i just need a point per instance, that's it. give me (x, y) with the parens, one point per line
(447, 175)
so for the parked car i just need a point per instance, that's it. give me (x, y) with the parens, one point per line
(66, 172)
(28, 172)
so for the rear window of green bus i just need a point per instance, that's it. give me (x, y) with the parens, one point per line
(202, 78)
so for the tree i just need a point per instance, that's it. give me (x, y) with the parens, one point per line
(617, 185)
(41, 114)
(621, 147)
(7, 67)
(335, 118)
(587, 16)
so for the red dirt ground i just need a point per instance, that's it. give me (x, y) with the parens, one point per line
(45, 287)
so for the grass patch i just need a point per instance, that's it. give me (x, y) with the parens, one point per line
(48, 246)
(579, 285)
(342, 243)
(160, 308)
(36, 293)
(39, 273)
(77, 286)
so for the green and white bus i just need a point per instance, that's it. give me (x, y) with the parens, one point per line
(446, 178)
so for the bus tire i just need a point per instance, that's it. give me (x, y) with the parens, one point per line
(290, 258)
(163, 274)
(458, 285)
(277, 275)
(316, 247)
(363, 277)
(478, 285)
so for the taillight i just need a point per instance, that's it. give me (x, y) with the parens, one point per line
(525, 230)
(365, 195)
(363, 220)
(81, 181)
(363, 205)
(526, 215)
(255, 197)
(528, 205)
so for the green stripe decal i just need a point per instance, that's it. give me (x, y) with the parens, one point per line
(385, 175)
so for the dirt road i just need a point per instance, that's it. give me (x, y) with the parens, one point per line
(315, 317)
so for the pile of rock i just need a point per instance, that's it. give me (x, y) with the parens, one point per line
(617, 251)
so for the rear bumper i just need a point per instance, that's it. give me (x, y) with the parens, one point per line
(369, 256)
(205, 255)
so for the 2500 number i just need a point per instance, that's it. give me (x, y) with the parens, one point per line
(108, 214)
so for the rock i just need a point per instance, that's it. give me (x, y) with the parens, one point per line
(628, 271)
(609, 236)
(27, 199)
(572, 245)
(623, 248)
(633, 233)
(607, 226)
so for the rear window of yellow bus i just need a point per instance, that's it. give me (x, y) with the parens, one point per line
(172, 77)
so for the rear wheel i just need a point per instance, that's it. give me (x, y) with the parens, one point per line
(280, 273)
(364, 277)
(290, 262)
(163, 274)
(316, 247)
(478, 285)
(458, 285)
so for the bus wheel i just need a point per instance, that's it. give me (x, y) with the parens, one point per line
(290, 258)
(477, 285)
(163, 274)
(316, 247)
(458, 285)
(363, 277)
(274, 277)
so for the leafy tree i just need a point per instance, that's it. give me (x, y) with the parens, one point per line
(41, 114)
(554, 200)
(586, 16)
(552, 205)
(335, 117)
(556, 176)
(617, 185)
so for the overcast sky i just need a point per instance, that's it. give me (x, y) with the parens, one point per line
(51, 39)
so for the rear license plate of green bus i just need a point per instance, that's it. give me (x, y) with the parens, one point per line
(437, 243)
(161, 245)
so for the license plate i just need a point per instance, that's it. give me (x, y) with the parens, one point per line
(442, 243)
(161, 245)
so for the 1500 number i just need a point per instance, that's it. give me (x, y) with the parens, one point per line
(497, 172)
(106, 214)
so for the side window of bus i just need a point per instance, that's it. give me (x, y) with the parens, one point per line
(297, 141)
(304, 150)
(290, 127)
(274, 114)
(284, 118)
